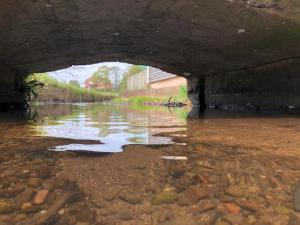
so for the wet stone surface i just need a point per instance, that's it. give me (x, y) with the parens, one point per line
(30, 192)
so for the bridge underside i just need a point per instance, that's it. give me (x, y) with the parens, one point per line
(235, 53)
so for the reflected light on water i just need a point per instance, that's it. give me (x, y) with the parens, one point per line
(112, 125)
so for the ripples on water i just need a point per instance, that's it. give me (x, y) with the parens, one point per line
(112, 125)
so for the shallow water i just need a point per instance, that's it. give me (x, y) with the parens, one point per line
(218, 169)
(114, 126)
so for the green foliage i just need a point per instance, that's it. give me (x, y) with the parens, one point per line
(100, 78)
(139, 100)
(74, 83)
(48, 81)
(115, 74)
(182, 95)
(31, 88)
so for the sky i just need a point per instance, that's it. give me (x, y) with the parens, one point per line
(82, 72)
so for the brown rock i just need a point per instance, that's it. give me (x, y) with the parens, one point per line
(125, 214)
(235, 190)
(82, 223)
(6, 206)
(205, 206)
(166, 197)
(111, 195)
(131, 198)
(39, 219)
(24, 196)
(242, 181)
(59, 183)
(282, 210)
(34, 182)
(26, 206)
(16, 188)
(222, 222)
(20, 217)
(191, 196)
(40, 197)
(233, 208)
(248, 205)
(233, 218)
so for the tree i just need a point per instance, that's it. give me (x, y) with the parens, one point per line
(101, 75)
(99, 79)
(115, 73)
(74, 83)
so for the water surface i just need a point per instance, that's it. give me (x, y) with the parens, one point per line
(114, 126)
(228, 169)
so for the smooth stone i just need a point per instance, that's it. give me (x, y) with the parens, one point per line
(296, 197)
(24, 196)
(26, 205)
(282, 210)
(125, 214)
(34, 182)
(61, 212)
(59, 183)
(109, 196)
(191, 196)
(248, 205)
(40, 197)
(232, 208)
(166, 197)
(205, 206)
(235, 190)
(233, 218)
(6, 206)
(106, 212)
(16, 188)
(222, 222)
(130, 198)
(20, 217)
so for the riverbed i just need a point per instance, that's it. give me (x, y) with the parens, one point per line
(92, 164)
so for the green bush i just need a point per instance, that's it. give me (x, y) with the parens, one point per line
(182, 95)
(46, 80)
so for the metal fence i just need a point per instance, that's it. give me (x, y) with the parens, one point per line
(158, 75)
(137, 81)
(141, 80)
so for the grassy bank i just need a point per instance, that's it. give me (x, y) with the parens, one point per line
(140, 100)
(53, 91)
(181, 96)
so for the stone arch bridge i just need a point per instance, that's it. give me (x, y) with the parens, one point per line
(237, 53)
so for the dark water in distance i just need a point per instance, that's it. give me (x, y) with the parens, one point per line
(112, 125)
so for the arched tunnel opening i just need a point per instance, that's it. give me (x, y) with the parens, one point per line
(119, 162)
(246, 51)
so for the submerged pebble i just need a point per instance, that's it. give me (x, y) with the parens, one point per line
(297, 197)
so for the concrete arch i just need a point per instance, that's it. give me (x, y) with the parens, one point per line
(221, 40)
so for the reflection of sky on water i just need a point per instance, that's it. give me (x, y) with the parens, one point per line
(113, 128)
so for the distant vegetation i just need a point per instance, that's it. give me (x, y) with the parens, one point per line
(140, 100)
(53, 90)
(182, 96)
(104, 84)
